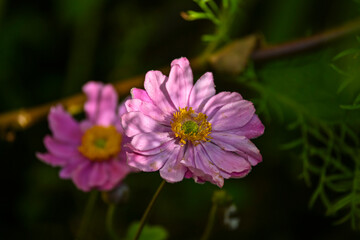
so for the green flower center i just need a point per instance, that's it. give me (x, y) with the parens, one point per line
(190, 127)
(100, 143)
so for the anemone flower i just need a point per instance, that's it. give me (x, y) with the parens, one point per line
(186, 130)
(89, 152)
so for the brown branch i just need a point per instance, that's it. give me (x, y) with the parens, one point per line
(24, 118)
(230, 59)
(284, 49)
(233, 58)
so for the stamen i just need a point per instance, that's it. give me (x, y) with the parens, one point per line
(190, 126)
(100, 143)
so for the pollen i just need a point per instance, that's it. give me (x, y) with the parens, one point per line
(190, 126)
(100, 143)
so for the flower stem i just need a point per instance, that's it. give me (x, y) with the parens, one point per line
(148, 209)
(210, 222)
(87, 215)
(109, 221)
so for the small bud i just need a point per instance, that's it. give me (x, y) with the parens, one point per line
(185, 16)
(230, 219)
(221, 198)
(118, 195)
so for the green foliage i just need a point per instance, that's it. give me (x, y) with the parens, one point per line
(308, 96)
(349, 75)
(221, 16)
(148, 233)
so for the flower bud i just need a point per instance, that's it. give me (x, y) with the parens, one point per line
(118, 195)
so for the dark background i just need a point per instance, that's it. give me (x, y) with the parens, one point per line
(50, 48)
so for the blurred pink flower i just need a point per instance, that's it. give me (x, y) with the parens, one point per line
(185, 130)
(90, 152)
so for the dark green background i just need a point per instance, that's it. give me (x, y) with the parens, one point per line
(50, 48)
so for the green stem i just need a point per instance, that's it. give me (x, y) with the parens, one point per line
(109, 221)
(214, 7)
(148, 209)
(210, 222)
(87, 215)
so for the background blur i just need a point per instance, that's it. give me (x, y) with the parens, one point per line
(50, 48)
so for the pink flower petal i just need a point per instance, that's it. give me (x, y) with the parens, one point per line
(148, 109)
(136, 122)
(150, 140)
(254, 128)
(149, 163)
(93, 92)
(49, 158)
(63, 126)
(98, 175)
(140, 94)
(180, 82)
(117, 171)
(173, 170)
(144, 161)
(155, 87)
(201, 166)
(153, 151)
(81, 176)
(217, 101)
(203, 89)
(71, 167)
(211, 172)
(229, 162)
(60, 149)
(107, 106)
(238, 144)
(232, 115)
(122, 108)
(106, 118)
(101, 104)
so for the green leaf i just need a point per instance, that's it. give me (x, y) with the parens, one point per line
(351, 51)
(209, 38)
(357, 99)
(338, 70)
(148, 232)
(343, 85)
(307, 86)
(340, 204)
(350, 107)
(292, 144)
(339, 187)
(343, 219)
(193, 15)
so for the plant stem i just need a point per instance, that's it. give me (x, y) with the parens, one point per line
(30, 116)
(210, 222)
(109, 221)
(87, 215)
(148, 209)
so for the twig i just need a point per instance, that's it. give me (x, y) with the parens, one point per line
(24, 118)
(284, 49)
(148, 209)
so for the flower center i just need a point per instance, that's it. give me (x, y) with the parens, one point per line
(100, 143)
(190, 126)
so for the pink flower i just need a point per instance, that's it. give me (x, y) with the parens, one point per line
(185, 130)
(89, 152)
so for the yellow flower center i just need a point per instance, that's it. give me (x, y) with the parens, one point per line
(100, 143)
(190, 126)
